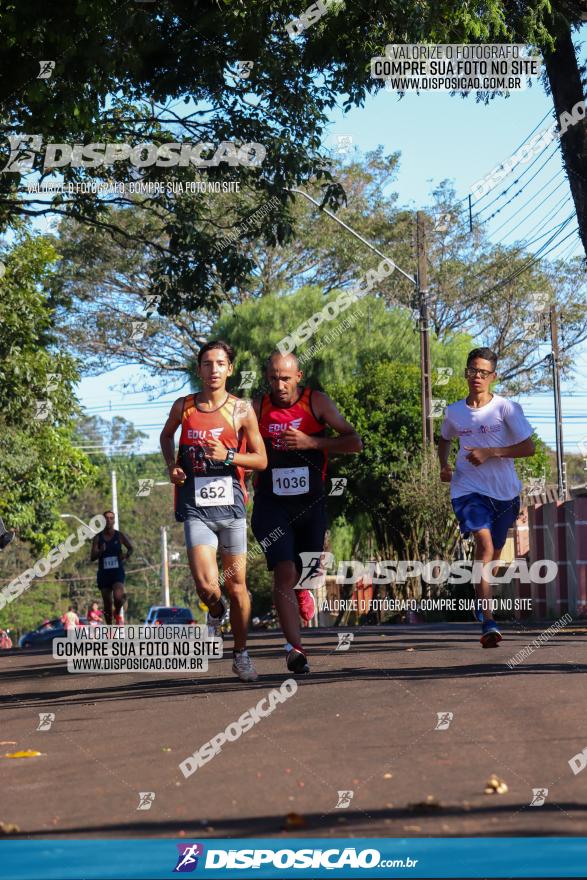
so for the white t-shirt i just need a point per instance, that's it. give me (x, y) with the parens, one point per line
(501, 422)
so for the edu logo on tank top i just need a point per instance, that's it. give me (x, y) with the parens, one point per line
(280, 428)
(194, 434)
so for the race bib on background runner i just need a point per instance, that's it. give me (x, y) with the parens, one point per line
(110, 562)
(214, 491)
(290, 481)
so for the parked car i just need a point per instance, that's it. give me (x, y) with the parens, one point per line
(45, 633)
(166, 614)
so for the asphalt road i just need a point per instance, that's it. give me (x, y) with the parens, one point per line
(364, 721)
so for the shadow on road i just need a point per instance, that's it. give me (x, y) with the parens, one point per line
(316, 823)
(162, 687)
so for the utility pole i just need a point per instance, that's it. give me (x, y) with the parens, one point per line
(165, 600)
(558, 419)
(114, 499)
(421, 285)
(425, 362)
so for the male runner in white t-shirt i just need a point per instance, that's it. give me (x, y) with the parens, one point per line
(485, 488)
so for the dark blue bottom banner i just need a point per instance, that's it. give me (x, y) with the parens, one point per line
(303, 858)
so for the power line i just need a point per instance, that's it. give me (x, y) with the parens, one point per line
(539, 255)
(520, 191)
(531, 199)
(516, 150)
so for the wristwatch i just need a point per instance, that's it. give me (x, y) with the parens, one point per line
(229, 457)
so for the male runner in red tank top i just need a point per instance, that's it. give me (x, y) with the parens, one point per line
(290, 493)
(216, 430)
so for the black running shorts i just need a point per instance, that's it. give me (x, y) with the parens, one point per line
(285, 528)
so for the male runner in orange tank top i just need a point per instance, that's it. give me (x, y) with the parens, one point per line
(217, 429)
(290, 493)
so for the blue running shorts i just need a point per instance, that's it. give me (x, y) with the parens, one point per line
(475, 511)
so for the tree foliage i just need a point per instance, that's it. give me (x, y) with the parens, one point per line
(40, 464)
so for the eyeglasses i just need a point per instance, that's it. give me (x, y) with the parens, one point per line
(471, 372)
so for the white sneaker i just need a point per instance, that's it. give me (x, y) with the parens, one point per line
(214, 623)
(243, 666)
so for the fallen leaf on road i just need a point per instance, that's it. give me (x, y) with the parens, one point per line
(294, 820)
(412, 828)
(9, 828)
(7, 742)
(428, 806)
(28, 753)
(410, 649)
(495, 785)
(388, 775)
(165, 749)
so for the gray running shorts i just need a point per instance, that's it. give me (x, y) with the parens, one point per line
(231, 534)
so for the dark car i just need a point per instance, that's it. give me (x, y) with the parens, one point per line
(159, 614)
(45, 633)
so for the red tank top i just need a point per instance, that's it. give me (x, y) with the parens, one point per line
(274, 420)
(197, 427)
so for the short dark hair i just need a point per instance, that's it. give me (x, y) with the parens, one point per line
(217, 343)
(486, 353)
(109, 511)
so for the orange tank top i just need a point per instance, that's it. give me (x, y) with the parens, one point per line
(202, 493)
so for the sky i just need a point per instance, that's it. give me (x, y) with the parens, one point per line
(439, 137)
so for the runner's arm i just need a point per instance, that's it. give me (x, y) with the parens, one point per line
(129, 547)
(167, 441)
(96, 552)
(479, 454)
(348, 441)
(256, 459)
(444, 451)
(444, 445)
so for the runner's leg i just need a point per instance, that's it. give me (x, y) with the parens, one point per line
(285, 577)
(272, 527)
(119, 597)
(484, 553)
(204, 569)
(107, 601)
(234, 569)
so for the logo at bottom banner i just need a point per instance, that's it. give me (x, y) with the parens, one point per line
(235, 859)
(187, 859)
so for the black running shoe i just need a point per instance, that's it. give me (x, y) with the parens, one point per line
(297, 662)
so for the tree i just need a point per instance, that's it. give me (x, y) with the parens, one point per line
(103, 283)
(39, 461)
(341, 349)
(282, 104)
(163, 91)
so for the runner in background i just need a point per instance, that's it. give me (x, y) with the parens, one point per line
(485, 488)
(107, 549)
